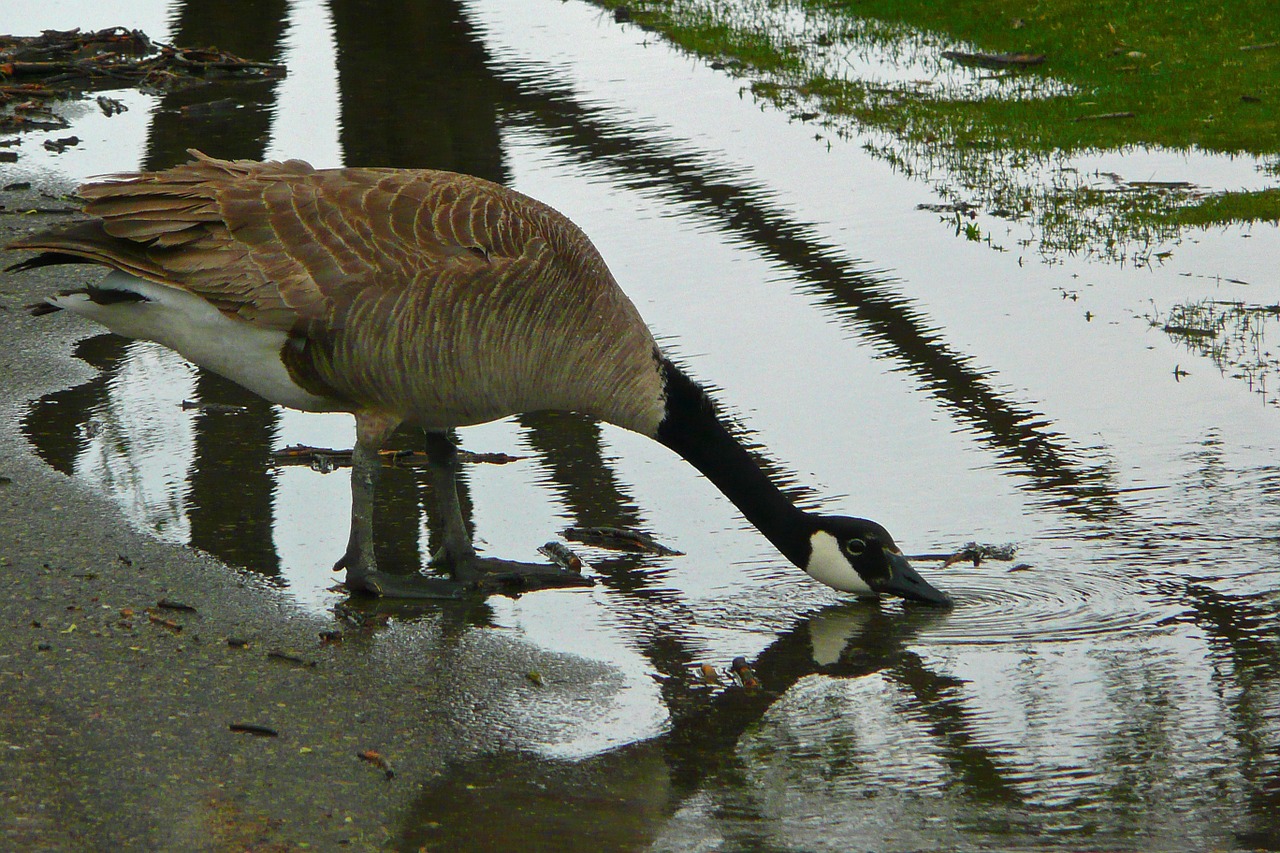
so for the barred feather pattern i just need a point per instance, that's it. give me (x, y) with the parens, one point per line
(440, 298)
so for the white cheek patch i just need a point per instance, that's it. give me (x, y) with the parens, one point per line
(828, 564)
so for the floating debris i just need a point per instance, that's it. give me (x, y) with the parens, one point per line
(562, 557)
(1105, 116)
(330, 459)
(972, 552)
(110, 106)
(489, 458)
(746, 675)
(322, 464)
(961, 207)
(707, 674)
(997, 61)
(36, 71)
(213, 408)
(220, 107)
(57, 146)
(69, 60)
(1189, 331)
(170, 604)
(620, 539)
(1160, 185)
(976, 553)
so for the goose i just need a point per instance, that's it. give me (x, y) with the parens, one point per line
(418, 297)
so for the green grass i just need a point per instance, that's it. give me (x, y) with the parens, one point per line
(1117, 74)
(1177, 65)
(1261, 206)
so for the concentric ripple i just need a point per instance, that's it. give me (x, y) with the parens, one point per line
(999, 607)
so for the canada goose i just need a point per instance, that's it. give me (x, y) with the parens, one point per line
(420, 297)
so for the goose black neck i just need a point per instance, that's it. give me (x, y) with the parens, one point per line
(693, 429)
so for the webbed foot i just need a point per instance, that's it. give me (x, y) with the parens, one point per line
(488, 575)
(473, 575)
(415, 586)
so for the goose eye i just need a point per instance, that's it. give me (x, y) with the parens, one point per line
(854, 547)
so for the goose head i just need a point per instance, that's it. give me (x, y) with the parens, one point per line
(859, 556)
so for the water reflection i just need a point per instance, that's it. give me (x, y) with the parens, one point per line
(232, 488)
(1109, 204)
(1233, 335)
(620, 799)
(55, 423)
(415, 88)
(1120, 692)
(865, 298)
(225, 117)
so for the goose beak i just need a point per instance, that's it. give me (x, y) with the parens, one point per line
(904, 581)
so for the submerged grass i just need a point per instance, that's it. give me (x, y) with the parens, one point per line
(1260, 206)
(1233, 335)
(1116, 75)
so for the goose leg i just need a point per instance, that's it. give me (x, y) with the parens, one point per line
(458, 555)
(372, 430)
(442, 457)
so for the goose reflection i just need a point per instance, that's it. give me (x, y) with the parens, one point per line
(623, 799)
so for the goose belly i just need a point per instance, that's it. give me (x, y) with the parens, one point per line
(246, 354)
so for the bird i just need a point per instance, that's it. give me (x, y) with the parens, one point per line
(426, 298)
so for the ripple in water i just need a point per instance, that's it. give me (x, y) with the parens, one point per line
(1042, 606)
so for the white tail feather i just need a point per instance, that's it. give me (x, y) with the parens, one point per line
(242, 352)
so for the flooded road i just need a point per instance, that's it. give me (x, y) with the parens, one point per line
(1115, 686)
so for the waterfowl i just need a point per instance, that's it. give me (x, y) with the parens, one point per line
(417, 297)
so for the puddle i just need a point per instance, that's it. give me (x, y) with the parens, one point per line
(1233, 335)
(1118, 692)
(1112, 205)
(887, 58)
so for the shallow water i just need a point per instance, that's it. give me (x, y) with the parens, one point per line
(1113, 687)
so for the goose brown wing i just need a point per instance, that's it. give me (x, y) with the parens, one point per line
(330, 238)
(284, 245)
(439, 296)
(169, 227)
